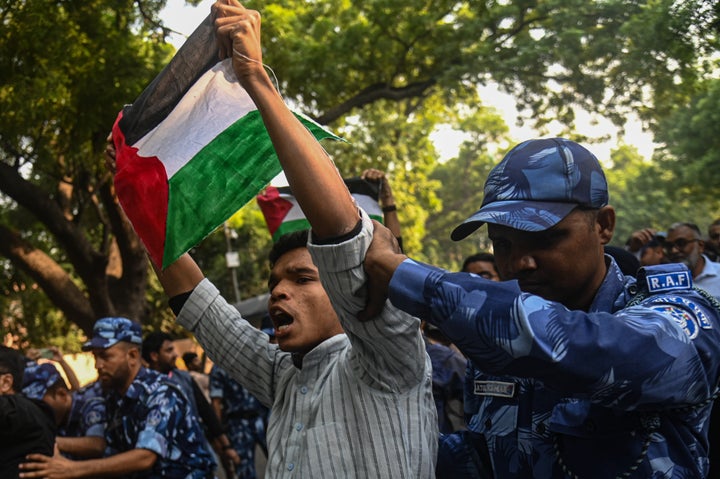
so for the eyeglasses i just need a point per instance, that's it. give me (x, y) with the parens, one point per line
(679, 243)
(715, 236)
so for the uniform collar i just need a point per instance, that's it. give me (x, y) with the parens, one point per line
(615, 291)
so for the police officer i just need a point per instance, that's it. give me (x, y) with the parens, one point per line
(158, 351)
(587, 373)
(80, 415)
(244, 417)
(151, 431)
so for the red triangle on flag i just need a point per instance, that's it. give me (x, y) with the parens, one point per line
(273, 207)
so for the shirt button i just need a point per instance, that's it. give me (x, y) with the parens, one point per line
(540, 429)
(303, 390)
(298, 427)
(488, 424)
(291, 466)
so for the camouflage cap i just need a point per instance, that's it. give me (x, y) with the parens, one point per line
(38, 379)
(537, 184)
(109, 331)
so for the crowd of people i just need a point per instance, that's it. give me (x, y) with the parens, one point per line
(142, 417)
(555, 356)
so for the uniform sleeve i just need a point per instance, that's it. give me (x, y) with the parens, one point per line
(388, 352)
(94, 417)
(636, 358)
(216, 383)
(233, 343)
(167, 421)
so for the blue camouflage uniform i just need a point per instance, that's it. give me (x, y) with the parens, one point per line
(88, 414)
(625, 388)
(154, 414)
(448, 368)
(244, 417)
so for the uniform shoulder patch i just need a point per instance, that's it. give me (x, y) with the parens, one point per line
(683, 303)
(683, 318)
(684, 311)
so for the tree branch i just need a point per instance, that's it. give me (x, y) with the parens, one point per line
(53, 280)
(374, 93)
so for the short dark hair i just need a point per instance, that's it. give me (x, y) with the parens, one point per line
(56, 386)
(288, 242)
(188, 358)
(486, 257)
(691, 226)
(12, 362)
(153, 342)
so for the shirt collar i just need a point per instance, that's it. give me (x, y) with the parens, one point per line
(615, 290)
(320, 352)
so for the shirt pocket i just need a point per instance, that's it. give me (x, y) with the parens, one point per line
(329, 451)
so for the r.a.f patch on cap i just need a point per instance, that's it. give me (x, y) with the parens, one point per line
(672, 281)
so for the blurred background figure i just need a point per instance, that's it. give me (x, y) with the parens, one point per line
(481, 264)
(626, 261)
(158, 351)
(244, 417)
(26, 426)
(652, 252)
(80, 416)
(53, 353)
(684, 244)
(195, 367)
(712, 244)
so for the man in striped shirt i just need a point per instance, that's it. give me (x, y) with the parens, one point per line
(348, 398)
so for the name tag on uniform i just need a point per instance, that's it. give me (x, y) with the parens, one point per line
(494, 388)
(668, 281)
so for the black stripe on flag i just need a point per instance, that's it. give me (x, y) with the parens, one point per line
(197, 55)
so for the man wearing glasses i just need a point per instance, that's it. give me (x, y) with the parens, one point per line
(712, 246)
(684, 244)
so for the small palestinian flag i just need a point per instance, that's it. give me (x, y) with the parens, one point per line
(191, 150)
(283, 214)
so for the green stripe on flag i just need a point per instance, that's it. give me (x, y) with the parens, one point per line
(302, 224)
(219, 180)
(290, 227)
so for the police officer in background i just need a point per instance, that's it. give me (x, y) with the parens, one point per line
(151, 431)
(80, 415)
(587, 373)
(26, 425)
(244, 418)
(158, 351)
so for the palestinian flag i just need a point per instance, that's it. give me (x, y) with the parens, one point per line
(191, 150)
(283, 214)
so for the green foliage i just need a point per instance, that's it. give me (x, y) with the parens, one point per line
(66, 69)
(691, 135)
(462, 179)
(646, 194)
(382, 73)
(396, 142)
(247, 234)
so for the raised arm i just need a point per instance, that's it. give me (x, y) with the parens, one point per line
(307, 166)
(180, 277)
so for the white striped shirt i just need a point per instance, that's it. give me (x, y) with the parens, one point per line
(360, 407)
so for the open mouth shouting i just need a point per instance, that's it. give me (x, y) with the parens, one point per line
(281, 320)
